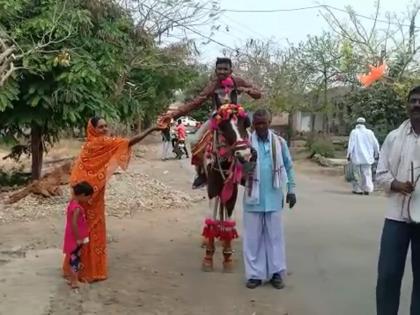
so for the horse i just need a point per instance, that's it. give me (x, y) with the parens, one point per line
(227, 152)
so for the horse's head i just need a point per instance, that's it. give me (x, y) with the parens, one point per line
(232, 122)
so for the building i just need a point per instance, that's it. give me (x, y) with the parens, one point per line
(318, 119)
(280, 123)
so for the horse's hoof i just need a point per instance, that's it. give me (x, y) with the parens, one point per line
(204, 243)
(207, 268)
(207, 265)
(228, 266)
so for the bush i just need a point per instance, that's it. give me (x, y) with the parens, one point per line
(14, 179)
(321, 145)
(310, 139)
(13, 176)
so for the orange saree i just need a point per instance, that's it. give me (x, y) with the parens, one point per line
(99, 158)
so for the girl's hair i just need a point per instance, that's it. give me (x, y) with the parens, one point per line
(94, 120)
(83, 188)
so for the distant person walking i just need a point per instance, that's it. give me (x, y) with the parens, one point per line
(181, 134)
(166, 142)
(362, 151)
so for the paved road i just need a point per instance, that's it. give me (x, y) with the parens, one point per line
(333, 241)
(332, 249)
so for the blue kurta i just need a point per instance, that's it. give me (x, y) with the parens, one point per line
(271, 199)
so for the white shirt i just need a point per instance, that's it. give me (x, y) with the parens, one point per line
(363, 146)
(410, 152)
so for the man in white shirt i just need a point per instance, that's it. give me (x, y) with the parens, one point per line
(362, 150)
(398, 172)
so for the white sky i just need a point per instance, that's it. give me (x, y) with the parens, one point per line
(279, 26)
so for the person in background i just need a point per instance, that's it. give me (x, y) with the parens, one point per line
(400, 152)
(264, 244)
(181, 133)
(362, 151)
(166, 142)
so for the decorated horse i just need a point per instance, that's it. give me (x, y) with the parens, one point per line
(227, 153)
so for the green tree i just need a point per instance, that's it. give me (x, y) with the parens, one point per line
(78, 59)
(319, 60)
(195, 86)
(381, 105)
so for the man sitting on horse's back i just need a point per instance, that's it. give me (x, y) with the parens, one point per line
(220, 92)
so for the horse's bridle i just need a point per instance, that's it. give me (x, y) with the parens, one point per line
(229, 152)
(230, 155)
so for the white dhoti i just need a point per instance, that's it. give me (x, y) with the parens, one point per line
(166, 145)
(363, 178)
(263, 245)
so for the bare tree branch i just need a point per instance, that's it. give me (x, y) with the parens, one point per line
(5, 75)
(373, 29)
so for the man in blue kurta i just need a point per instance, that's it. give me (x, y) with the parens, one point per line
(264, 245)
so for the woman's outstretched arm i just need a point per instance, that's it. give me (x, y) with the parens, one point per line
(136, 139)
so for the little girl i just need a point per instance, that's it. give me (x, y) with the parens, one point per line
(77, 230)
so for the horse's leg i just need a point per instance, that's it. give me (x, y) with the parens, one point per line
(210, 233)
(203, 168)
(229, 232)
(211, 228)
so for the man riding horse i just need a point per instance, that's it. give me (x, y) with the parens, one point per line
(222, 89)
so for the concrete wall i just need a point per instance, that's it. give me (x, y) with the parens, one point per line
(302, 121)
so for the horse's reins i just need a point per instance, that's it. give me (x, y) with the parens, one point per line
(238, 145)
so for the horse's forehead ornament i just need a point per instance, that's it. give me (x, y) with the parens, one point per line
(225, 112)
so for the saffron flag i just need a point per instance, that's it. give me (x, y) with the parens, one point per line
(375, 74)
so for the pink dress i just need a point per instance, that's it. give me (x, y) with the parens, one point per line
(70, 242)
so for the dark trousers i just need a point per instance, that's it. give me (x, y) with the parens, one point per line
(185, 147)
(396, 238)
(178, 150)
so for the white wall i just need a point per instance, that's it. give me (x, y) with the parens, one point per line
(302, 122)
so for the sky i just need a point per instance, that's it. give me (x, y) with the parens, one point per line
(282, 26)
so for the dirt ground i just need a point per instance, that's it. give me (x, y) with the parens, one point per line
(155, 256)
(154, 261)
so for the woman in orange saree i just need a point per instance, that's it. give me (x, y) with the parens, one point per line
(100, 156)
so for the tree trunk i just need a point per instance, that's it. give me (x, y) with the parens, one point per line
(37, 151)
(139, 124)
(326, 107)
(290, 129)
(313, 120)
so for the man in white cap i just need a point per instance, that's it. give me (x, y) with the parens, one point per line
(362, 151)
